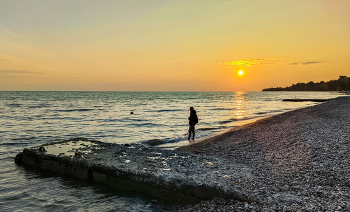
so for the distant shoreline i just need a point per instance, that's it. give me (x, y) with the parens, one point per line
(342, 84)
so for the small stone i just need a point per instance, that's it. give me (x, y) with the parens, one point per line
(127, 161)
(319, 187)
(208, 163)
(348, 207)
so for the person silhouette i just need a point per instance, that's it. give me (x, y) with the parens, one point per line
(193, 120)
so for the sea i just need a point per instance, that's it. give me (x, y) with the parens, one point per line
(32, 118)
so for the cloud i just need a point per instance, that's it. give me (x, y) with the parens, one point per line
(9, 32)
(304, 63)
(4, 71)
(311, 62)
(249, 62)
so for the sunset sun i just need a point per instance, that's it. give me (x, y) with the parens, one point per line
(240, 72)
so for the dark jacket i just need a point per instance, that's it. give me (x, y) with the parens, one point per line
(193, 119)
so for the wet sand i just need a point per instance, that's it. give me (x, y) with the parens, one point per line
(300, 160)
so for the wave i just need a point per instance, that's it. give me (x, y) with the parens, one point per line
(143, 125)
(234, 119)
(222, 109)
(165, 110)
(207, 128)
(132, 119)
(154, 142)
(75, 110)
(17, 143)
(157, 142)
(262, 113)
(39, 106)
(14, 105)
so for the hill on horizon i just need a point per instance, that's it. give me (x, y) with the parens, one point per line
(341, 84)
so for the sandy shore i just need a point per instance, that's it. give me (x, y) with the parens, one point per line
(300, 160)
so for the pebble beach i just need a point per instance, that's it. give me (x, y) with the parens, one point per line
(300, 160)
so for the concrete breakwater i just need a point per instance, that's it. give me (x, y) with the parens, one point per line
(176, 177)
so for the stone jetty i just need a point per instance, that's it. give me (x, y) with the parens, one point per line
(176, 177)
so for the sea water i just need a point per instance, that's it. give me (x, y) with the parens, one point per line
(152, 118)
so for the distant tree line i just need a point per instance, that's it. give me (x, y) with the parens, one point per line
(342, 84)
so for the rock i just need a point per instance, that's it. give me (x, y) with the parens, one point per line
(246, 205)
(42, 149)
(18, 158)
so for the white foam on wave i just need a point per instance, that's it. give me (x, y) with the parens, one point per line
(177, 141)
(141, 207)
(198, 135)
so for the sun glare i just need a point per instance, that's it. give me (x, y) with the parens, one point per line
(240, 72)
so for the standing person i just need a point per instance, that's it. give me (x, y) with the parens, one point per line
(193, 120)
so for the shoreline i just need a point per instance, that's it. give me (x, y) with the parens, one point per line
(299, 159)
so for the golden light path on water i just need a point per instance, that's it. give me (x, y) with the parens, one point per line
(239, 111)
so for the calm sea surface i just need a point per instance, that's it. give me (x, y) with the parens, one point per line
(159, 118)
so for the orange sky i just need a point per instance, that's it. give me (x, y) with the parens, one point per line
(163, 45)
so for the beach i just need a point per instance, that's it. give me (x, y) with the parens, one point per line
(299, 159)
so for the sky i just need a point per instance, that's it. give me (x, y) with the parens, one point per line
(168, 45)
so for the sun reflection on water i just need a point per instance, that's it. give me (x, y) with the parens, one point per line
(239, 112)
